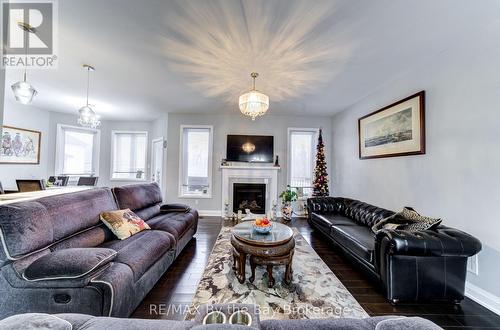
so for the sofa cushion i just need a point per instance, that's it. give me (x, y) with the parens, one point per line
(334, 219)
(137, 196)
(175, 207)
(35, 321)
(123, 223)
(176, 223)
(148, 212)
(142, 250)
(87, 322)
(378, 322)
(74, 212)
(24, 227)
(359, 240)
(68, 264)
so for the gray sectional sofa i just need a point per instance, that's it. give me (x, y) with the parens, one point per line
(81, 266)
(81, 322)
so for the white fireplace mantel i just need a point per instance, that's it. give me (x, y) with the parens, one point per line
(249, 174)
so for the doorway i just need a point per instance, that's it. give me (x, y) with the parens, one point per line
(157, 161)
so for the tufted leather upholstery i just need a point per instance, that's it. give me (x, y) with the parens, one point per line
(363, 213)
(425, 265)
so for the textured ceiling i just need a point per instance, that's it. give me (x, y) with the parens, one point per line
(314, 57)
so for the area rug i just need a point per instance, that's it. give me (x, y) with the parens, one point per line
(315, 292)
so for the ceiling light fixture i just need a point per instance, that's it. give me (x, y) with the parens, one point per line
(24, 92)
(86, 115)
(254, 103)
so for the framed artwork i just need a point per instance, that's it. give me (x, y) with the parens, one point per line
(395, 130)
(20, 146)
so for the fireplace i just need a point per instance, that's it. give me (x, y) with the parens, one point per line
(249, 196)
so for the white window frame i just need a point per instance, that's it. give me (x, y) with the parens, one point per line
(181, 160)
(289, 145)
(113, 137)
(59, 161)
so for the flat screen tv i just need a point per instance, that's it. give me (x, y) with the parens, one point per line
(250, 148)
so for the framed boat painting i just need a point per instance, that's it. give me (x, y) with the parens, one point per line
(395, 130)
(20, 146)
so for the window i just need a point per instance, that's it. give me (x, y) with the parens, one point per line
(128, 160)
(301, 157)
(196, 161)
(77, 151)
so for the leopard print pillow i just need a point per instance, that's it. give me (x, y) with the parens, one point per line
(418, 222)
(408, 219)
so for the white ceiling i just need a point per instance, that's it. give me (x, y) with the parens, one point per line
(314, 57)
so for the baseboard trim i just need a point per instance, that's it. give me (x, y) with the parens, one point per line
(210, 213)
(483, 297)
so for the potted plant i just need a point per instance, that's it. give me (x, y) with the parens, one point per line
(287, 197)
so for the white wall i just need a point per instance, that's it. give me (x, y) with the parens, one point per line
(28, 117)
(458, 178)
(234, 124)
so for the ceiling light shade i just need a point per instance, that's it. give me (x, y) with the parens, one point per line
(24, 92)
(86, 115)
(88, 118)
(254, 103)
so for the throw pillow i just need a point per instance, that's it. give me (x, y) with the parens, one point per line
(123, 223)
(391, 222)
(68, 264)
(408, 219)
(418, 222)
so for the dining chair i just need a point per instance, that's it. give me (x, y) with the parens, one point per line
(87, 181)
(30, 185)
(59, 180)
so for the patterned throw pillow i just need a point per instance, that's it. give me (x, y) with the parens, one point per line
(123, 223)
(391, 222)
(408, 219)
(418, 222)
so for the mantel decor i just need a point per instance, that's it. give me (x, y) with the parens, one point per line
(20, 146)
(395, 130)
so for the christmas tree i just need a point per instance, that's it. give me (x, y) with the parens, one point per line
(320, 176)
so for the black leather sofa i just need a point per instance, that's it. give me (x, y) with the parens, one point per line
(412, 266)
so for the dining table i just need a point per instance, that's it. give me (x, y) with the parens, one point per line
(49, 191)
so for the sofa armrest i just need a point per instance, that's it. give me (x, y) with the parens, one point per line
(175, 207)
(443, 241)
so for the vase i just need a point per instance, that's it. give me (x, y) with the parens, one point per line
(286, 211)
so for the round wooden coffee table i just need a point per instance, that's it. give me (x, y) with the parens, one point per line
(272, 249)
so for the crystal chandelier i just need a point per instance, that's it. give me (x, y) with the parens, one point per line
(254, 103)
(24, 92)
(86, 115)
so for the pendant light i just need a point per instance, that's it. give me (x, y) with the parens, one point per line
(86, 115)
(254, 103)
(24, 92)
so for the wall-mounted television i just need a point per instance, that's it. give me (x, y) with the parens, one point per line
(250, 148)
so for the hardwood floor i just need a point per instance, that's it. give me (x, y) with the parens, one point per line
(174, 291)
